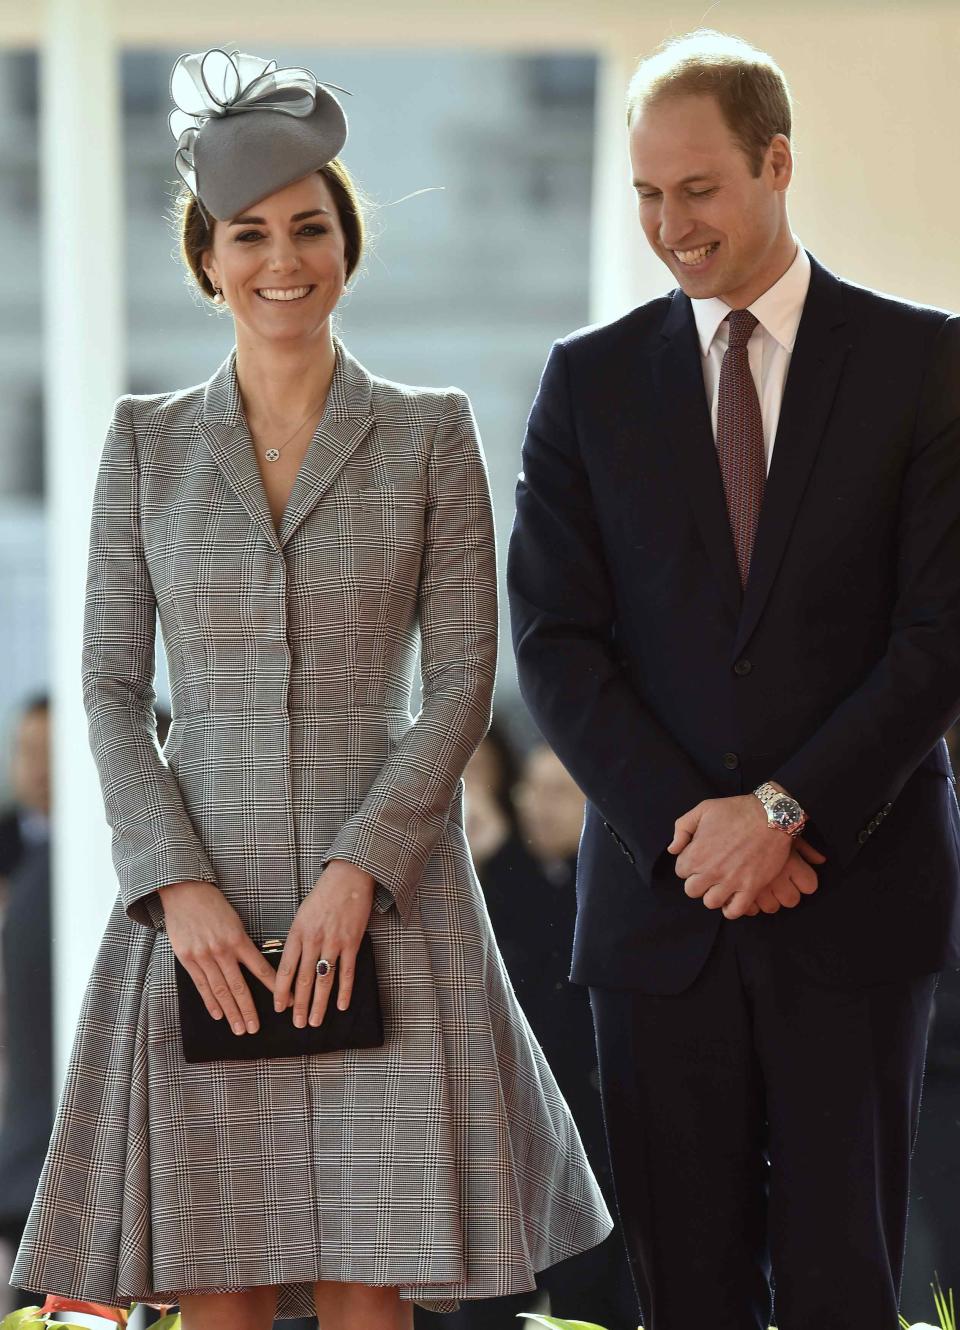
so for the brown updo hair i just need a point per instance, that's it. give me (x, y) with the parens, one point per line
(196, 237)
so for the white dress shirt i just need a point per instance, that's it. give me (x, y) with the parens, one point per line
(770, 346)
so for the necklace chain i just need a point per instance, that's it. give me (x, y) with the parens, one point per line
(271, 454)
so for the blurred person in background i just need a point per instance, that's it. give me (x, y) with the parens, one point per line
(301, 526)
(595, 1285)
(524, 822)
(27, 817)
(490, 818)
(27, 1104)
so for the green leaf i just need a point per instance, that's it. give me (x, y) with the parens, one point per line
(554, 1323)
(22, 1316)
(25, 1317)
(169, 1322)
(944, 1305)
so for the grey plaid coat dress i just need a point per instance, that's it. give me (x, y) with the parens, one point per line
(445, 1162)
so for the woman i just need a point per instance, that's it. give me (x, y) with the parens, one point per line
(297, 523)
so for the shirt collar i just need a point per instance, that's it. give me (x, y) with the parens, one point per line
(778, 309)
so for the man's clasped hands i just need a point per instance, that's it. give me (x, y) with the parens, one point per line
(732, 859)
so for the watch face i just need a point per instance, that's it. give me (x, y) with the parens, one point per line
(786, 811)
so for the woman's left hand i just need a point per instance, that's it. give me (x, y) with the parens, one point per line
(330, 923)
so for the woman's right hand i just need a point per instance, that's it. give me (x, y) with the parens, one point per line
(209, 940)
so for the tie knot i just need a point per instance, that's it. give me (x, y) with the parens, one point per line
(742, 324)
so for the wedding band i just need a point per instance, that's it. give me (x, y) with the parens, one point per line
(325, 968)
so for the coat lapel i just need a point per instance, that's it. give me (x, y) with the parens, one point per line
(686, 429)
(346, 421)
(225, 433)
(815, 368)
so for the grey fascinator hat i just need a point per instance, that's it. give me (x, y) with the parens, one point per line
(245, 128)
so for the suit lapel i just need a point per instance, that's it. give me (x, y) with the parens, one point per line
(687, 431)
(225, 433)
(346, 421)
(815, 369)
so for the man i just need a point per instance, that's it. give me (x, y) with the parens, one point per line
(736, 568)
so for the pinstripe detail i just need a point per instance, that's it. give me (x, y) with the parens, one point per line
(445, 1161)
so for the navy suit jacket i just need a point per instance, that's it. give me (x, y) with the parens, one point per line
(835, 672)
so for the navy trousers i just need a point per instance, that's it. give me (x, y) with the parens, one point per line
(760, 1129)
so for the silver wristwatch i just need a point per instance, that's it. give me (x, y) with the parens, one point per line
(782, 811)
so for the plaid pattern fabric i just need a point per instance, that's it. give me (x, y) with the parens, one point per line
(445, 1161)
(740, 439)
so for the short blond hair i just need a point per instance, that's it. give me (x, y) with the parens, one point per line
(749, 86)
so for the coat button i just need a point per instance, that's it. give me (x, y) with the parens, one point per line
(731, 761)
(742, 668)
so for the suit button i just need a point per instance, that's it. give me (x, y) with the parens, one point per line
(731, 761)
(863, 837)
(742, 668)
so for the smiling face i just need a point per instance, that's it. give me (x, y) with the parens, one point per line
(281, 265)
(720, 229)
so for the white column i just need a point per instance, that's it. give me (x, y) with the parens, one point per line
(623, 270)
(83, 267)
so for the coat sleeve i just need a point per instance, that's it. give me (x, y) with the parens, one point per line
(154, 842)
(406, 809)
(849, 773)
(564, 613)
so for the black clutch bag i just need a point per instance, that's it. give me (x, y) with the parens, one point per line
(360, 1026)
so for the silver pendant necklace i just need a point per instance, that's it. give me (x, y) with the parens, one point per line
(271, 454)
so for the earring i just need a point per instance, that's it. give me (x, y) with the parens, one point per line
(218, 296)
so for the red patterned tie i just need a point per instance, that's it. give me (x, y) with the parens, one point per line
(740, 439)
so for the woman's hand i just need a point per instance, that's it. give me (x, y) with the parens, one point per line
(210, 941)
(330, 924)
